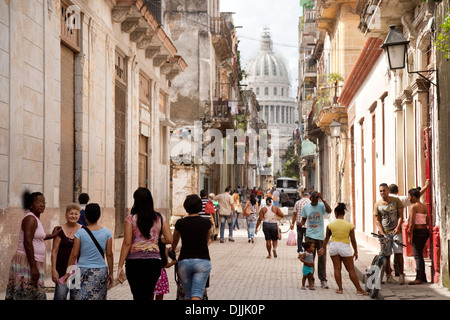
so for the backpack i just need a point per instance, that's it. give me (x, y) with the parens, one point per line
(209, 207)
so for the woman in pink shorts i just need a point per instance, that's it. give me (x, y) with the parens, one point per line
(342, 233)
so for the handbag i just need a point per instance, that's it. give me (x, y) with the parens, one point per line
(247, 210)
(162, 245)
(95, 241)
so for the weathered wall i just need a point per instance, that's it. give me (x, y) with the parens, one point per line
(443, 151)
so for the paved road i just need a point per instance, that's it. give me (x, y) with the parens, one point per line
(241, 271)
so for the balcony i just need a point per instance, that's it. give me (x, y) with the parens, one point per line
(221, 38)
(141, 19)
(327, 108)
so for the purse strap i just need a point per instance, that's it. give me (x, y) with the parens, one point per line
(95, 241)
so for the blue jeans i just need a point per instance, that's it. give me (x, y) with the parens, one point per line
(229, 220)
(193, 275)
(251, 228)
(61, 292)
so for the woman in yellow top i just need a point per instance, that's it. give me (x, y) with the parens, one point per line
(342, 233)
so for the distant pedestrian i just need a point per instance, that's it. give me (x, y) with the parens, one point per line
(227, 213)
(238, 210)
(418, 233)
(284, 198)
(297, 221)
(208, 209)
(268, 215)
(140, 247)
(194, 263)
(90, 245)
(26, 273)
(276, 197)
(62, 247)
(83, 200)
(313, 214)
(307, 258)
(340, 233)
(250, 214)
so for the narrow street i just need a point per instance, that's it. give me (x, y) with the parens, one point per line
(240, 271)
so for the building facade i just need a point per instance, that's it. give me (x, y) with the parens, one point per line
(85, 108)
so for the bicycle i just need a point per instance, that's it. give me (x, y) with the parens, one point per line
(375, 272)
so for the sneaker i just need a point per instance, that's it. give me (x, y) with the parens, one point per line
(231, 239)
(222, 241)
(253, 240)
(401, 279)
(324, 284)
(390, 280)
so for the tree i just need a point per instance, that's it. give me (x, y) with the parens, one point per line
(291, 163)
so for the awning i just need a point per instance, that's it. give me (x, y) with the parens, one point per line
(308, 149)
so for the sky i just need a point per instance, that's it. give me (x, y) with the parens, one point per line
(281, 16)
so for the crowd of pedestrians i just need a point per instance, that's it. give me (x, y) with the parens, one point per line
(82, 252)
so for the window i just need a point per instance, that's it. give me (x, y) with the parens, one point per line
(282, 92)
(266, 66)
(257, 91)
(275, 91)
(266, 91)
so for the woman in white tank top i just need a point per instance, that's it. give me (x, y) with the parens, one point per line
(268, 215)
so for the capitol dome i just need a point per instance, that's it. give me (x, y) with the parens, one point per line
(267, 65)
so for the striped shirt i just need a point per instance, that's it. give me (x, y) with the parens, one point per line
(298, 208)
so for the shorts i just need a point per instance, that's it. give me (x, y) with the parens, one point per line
(270, 231)
(392, 246)
(340, 249)
(307, 270)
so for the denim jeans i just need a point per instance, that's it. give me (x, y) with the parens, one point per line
(193, 275)
(229, 220)
(251, 228)
(61, 292)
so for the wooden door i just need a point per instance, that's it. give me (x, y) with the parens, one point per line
(67, 130)
(119, 164)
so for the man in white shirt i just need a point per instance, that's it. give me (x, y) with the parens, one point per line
(227, 213)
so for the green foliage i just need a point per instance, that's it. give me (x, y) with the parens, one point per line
(443, 38)
(291, 167)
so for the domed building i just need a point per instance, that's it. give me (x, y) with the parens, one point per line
(268, 77)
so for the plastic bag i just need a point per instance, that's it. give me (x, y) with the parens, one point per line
(291, 240)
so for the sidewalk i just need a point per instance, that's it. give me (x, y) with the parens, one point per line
(430, 291)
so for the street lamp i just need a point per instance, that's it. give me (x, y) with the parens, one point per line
(335, 129)
(395, 47)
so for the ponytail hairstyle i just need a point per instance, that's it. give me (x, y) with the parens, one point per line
(28, 198)
(143, 208)
(252, 200)
(340, 209)
(415, 192)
